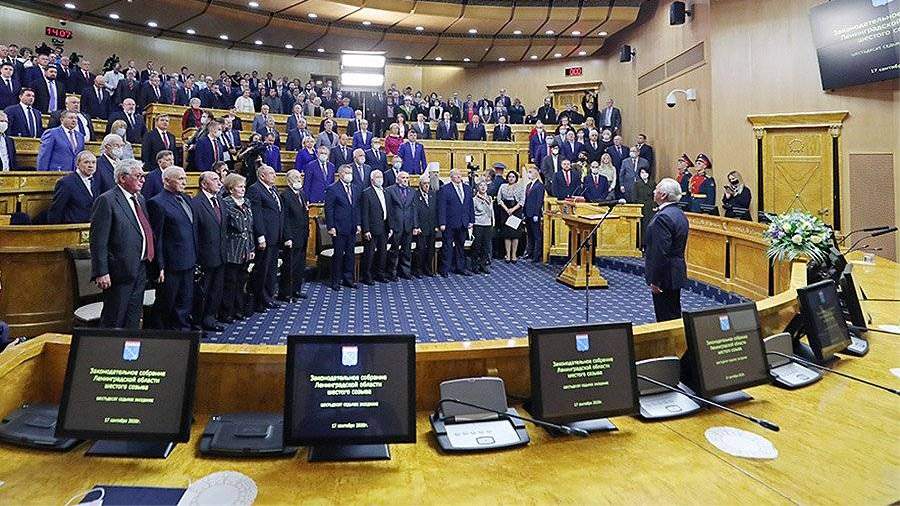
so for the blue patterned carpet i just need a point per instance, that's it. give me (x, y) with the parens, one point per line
(500, 305)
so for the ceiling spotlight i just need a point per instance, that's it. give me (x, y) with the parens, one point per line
(366, 23)
(253, 4)
(517, 32)
(602, 34)
(191, 31)
(152, 24)
(438, 59)
(320, 50)
(420, 28)
(473, 31)
(70, 5)
(501, 59)
(223, 37)
(312, 15)
(113, 15)
(407, 57)
(582, 53)
(576, 33)
(466, 60)
(533, 57)
(289, 46)
(549, 32)
(557, 55)
(258, 42)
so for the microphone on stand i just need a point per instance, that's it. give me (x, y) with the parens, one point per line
(801, 361)
(565, 429)
(862, 230)
(758, 421)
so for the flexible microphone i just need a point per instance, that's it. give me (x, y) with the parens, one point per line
(758, 421)
(823, 368)
(885, 231)
(565, 429)
(611, 203)
(863, 230)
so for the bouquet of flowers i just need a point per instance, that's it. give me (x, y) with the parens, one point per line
(798, 234)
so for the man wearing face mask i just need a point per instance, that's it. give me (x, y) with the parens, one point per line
(425, 204)
(343, 219)
(403, 223)
(550, 165)
(74, 194)
(628, 173)
(534, 213)
(136, 129)
(209, 148)
(361, 171)
(296, 236)
(208, 214)
(390, 177)
(376, 158)
(268, 225)
(374, 217)
(456, 217)
(319, 174)
(7, 146)
(111, 151)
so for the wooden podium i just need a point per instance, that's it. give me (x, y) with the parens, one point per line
(576, 274)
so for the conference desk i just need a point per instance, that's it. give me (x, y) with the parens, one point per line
(27, 151)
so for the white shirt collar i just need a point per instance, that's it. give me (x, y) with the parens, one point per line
(665, 204)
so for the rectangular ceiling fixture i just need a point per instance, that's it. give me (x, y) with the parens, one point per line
(362, 70)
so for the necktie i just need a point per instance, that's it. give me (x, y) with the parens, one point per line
(362, 174)
(9, 85)
(186, 207)
(275, 196)
(596, 181)
(156, 91)
(145, 226)
(349, 193)
(90, 180)
(325, 172)
(568, 179)
(403, 192)
(130, 120)
(215, 204)
(72, 141)
(99, 95)
(528, 190)
(215, 146)
(459, 192)
(30, 119)
(165, 139)
(51, 86)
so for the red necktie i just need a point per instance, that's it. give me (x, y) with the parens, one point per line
(215, 204)
(528, 190)
(165, 139)
(568, 180)
(215, 150)
(145, 226)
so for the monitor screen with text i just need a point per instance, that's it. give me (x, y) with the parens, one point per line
(725, 348)
(582, 372)
(345, 390)
(135, 385)
(826, 325)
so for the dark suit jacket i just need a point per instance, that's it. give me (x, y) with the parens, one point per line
(402, 216)
(98, 108)
(18, 125)
(77, 82)
(204, 155)
(342, 155)
(116, 240)
(316, 182)
(426, 214)
(105, 173)
(295, 139)
(570, 153)
(72, 203)
(341, 213)
(666, 238)
(210, 231)
(447, 134)
(371, 214)
(379, 163)
(560, 189)
(42, 95)
(10, 152)
(595, 192)
(547, 114)
(134, 132)
(181, 96)
(616, 119)
(296, 217)
(549, 170)
(502, 134)
(618, 154)
(126, 89)
(362, 181)
(152, 184)
(147, 96)
(152, 144)
(209, 100)
(534, 200)
(475, 132)
(268, 218)
(451, 212)
(593, 153)
(424, 132)
(646, 152)
(174, 232)
(9, 97)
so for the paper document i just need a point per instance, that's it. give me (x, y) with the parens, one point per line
(741, 443)
(513, 222)
(482, 434)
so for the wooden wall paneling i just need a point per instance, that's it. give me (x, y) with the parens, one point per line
(873, 174)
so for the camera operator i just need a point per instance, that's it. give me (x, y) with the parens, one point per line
(251, 156)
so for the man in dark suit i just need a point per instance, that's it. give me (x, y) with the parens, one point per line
(213, 98)
(208, 149)
(362, 138)
(207, 206)
(645, 151)
(534, 213)
(475, 130)
(546, 113)
(151, 92)
(342, 154)
(96, 100)
(73, 197)
(422, 127)
(593, 148)
(110, 155)
(504, 99)
(296, 236)
(342, 218)
(413, 155)
(24, 118)
(319, 175)
(175, 229)
(186, 92)
(376, 159)
(664, 267)
(9, 86)
(446, 129)
(566, 182)
(361, 171)
(84, 123)
(570, 148)
(610, 117)
(80, 78)
(550, 166)
(60, 145)
(122, 245)
(374, 216)
(502, 132)
(268, 226)
(7, 146)
(135, 127)
(129, 87)
(153, 184)
(403, 225)
(425, 204)
(49, 93)
(156, 140)
(456, 217)
(617, 152)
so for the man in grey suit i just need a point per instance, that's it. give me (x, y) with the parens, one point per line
(403, 223)
(628, 172)
(122, 247)
(550, 165)
(328, 137)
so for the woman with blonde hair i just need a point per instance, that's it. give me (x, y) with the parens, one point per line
(393, 140)
(238, 248)
(608, 170)
(120, 128)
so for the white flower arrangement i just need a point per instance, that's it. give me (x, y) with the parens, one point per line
(797, 234)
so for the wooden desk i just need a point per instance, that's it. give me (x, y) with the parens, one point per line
(452, 154)
(27, 151)
(618, 236)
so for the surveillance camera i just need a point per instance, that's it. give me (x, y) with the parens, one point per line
(670, 99)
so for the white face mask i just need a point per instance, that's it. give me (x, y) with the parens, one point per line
(376, 147)
(323, 158)
(347, 178)
(3, 126)
(378, 182)
(120, 132)
(217, 134)
(595, 170)
(397, 165)
(361, 160)
(117, 152)
(297, 186)
(204, 121)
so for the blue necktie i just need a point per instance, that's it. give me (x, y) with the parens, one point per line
(51, 86)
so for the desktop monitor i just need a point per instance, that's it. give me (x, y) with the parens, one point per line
(739, 213)
(725, 351)
(711, 210)
(134, 385)
(349, 396)
(582, 372)
(825, 325)
(850, 298)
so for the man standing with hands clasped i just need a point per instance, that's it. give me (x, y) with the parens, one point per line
(664, 267)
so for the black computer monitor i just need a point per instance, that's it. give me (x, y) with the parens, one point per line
(824, 322)
(349, 396)
(127, 387)
(850, 297)
(583, 373)
(725, 351)
(711, 210)
(740, 213)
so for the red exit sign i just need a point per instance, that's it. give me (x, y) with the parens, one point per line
(574, 71)
(59, 33)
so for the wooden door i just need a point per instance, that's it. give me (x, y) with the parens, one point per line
(797, 172)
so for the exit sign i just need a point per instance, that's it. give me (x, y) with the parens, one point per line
(574, 71)
(59, 33)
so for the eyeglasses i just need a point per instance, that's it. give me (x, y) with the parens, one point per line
(139, 177)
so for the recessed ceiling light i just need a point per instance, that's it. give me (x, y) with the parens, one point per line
(223, 37)
(533, 57)
(152, 24)
(321, 50)
(258, 42)
(602, 34)
(253, 4)
(407, 57)
(289, 46)
(113, 15)
(501, 59)
(557, 55)
(582, 53)
(466, 60)
(191, 31)
(576, 33)
(70, 5)
(420, 28)
(549, 32)
(473, 31)
(517, 32)
(367, 23)
(438, 59)
(312, 15)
